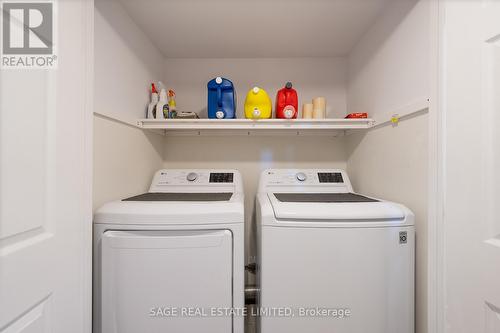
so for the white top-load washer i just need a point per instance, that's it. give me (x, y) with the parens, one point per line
(171, 260)
(332, 260)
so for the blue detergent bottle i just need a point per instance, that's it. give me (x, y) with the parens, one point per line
(221, 99)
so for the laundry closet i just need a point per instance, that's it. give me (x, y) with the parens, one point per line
(373, 56)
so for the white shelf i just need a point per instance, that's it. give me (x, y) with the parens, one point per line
(334, 127)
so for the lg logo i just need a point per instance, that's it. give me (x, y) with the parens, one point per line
(27, 28)
(403, 237)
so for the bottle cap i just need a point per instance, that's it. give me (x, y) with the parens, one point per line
(218, 80)
(289, 85)
(256, 90)
(256, 113)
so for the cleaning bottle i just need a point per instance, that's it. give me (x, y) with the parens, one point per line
(172, 105)
(287, 102)
(221, 99)
(152, 105)
(258, 105)
(162, 106)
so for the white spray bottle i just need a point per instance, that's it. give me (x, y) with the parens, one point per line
(152, 105)
(162, 105)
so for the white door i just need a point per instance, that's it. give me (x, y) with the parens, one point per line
(471, 102)
(45, 177)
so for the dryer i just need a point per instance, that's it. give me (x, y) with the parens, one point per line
(171, 260)
(332, 260)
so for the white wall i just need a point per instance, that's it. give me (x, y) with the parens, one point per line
(389, 67)
(126, 62)
(388, 70)
(312, 77)
(125, 160)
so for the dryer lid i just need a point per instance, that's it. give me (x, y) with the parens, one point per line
(169, 210)
(333, 207)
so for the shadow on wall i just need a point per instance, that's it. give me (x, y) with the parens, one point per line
(370, 48)
(126, 62)
(151, 137)
(122, 24)
(355, 140)
(125, 159)
(287, 151)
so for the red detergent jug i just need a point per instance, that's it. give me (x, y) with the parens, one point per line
(287, 102)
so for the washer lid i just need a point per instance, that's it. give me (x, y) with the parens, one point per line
(322, 197)
(333, 207)
(169, 196)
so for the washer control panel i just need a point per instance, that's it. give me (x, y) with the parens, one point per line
(300, 178)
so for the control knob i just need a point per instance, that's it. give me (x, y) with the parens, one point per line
(192, 176)
(301, 176)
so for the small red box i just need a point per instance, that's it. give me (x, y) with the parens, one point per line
(357, 115)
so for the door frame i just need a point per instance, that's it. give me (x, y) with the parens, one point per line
(436, 179)
(88, 54)
(436, 284)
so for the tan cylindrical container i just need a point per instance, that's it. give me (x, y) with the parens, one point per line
(319, 107)
(307, 111)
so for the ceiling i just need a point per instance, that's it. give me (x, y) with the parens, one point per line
(254, 28)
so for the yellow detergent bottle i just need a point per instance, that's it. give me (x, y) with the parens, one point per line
(258, 104)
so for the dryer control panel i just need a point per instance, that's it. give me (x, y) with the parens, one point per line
(199, 180)
(328, 180)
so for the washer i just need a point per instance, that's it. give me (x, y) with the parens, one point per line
(332, 260)
(164, 260)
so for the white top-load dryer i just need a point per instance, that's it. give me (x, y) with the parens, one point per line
(332, 260)
(171, 260)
